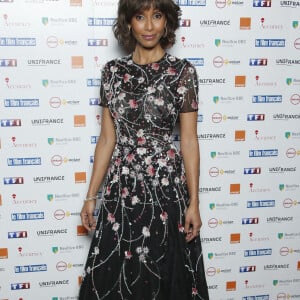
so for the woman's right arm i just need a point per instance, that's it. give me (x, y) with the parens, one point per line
(103, 154)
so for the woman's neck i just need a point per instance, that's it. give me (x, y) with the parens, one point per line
(144, 56)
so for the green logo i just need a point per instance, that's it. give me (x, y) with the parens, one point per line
(289, 81)
(213, 154)
(212, 206)
(45, 20)
(210, 255)
(55, 250)
(295, 24)
(287, 134)
(50, 197)
(50, 141)
(275, 282)
(216, 99)
(280, 235)
(45, 82)
(217, 42)
(281, 187)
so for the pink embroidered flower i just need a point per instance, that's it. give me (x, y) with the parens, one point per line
(164, 216)
(130, 157)
(165, 181)
(118, 161)
(182, 178)
(126, 77)
(155, 66)
(180, 227)
(124, 192)
(128, 254)
(159, 101)
(181, 90)
(145, 231)
(113, 69)
(140, 133)
(171, 71)
(151, 170)
(108, 190)
(194, 105)
(171, 153)
(116, 226)
(148, 160)
(133, 103)
(141, 140)
(194, 291)
(111, 218)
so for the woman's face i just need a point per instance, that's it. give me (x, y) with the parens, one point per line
(148, 27)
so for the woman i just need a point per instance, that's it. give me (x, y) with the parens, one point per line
(146, 243)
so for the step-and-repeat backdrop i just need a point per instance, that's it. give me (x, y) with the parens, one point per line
(247, 54)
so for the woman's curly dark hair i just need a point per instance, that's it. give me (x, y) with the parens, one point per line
(128, 8)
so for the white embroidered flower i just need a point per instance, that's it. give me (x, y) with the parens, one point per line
(123, 139)
(140, 133)
(172, 58)
(141, 79)
(116, 226)
(148, 117)
(141, 151)
(146, 250)
(106, 86)
(191, 70)
(142, 258)
(113, 69)
(159, 101)
(166, 137)
(128, 254)
(148, 160)
(139, 250)
(181, 90)
(121, 96)
(151, 90)
(117, 84)
(176, 180)
(155, 182)
(96, 250)
(165, 181)
(162, 162)
(88, 270)
(121, 110)
(160, 87)
(125, 170)
(145, 231)
(135, 200)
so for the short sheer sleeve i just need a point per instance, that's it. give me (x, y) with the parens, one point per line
(104, 86)
(188, 89)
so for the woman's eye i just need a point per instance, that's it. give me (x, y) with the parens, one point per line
(138, 17)
(158, 16)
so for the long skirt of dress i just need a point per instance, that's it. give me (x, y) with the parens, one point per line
(138, 251)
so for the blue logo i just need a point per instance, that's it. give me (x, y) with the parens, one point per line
(97, 42)
(30, 268)
(255, 117)
(197, 62)
(8, 62)
(263, 153)
(21, 102)
(27, 161)
(252, 171)
(272, 43)
(258, 252)
(10, 122)
(247, 221)
(191, 2)
(200, 118)
(267, 99)
(91, 82)
(94, 101)
(20, 286)
(101, 21)
(259, 297)
(246, 269)
(21, 42)
(94, 139)
(258, 62)
(260, 203)
(92, 158)
(13, 180)
(17, 235)
(262, 3)
(27, 216)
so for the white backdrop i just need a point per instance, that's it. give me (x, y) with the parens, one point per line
(247, 54)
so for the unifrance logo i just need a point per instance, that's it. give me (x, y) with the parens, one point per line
(262, 3)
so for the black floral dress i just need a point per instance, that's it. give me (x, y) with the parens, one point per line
(139, 251)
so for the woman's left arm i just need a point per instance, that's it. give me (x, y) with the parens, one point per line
(191, 158)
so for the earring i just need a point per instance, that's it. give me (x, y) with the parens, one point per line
(129, 29)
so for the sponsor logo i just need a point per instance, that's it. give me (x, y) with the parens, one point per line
(252, 171)
(212, 136)
(58, 21)
(13, 180)
(100, 21)
(258, 252)
(63, 141)
(46, 122)
(263, 153)
(227, 100)
(212, 271)
(235, 238)
(286, 117)
(15, 201)
(53, 283)
(254, 238)
(287, 62)
(267, 99)
(288, 187)
(56, 102)
(17, 42)
(21, 102)
(253, 285)
(51, 232)
(185, 23)
(245, 23)
(66, 249)
(3, 253)
(292, 135)
(224, 3)
(229, 43)
(93, 82)
(246, 269)
(24, 161)
(97, 42)
(8, 62)
(255, 117)
(260, 203)
(220, 255)
(234, 188)
(223, 206)
(279, 219)
(281, 170)
(17, 235)
(214, 23)
(11, 122)
(276, 267)
(211, 81)
(292, 81)
(48, 179)
(58, 160)
(258, 62)
(230, 286)
(194, 45)
(270, 43)
(292, 4)
(197, 62)
(240, 135)
(213, 222)
(211, 239)
(30, 268)
(54, 42)
(262, 3)
(28, 254)
(248, 221)
(191, 2)
(219, 62)
(214, 172)
(27, 216)
(266, 26)
(224, 154)
(63, 266)
(260, 137)
(210, 189)
(20, 286)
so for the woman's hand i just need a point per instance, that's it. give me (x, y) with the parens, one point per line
(87, 218)
(193, 222)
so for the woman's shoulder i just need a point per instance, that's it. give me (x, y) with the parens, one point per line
(179, 62)
(123, 60)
